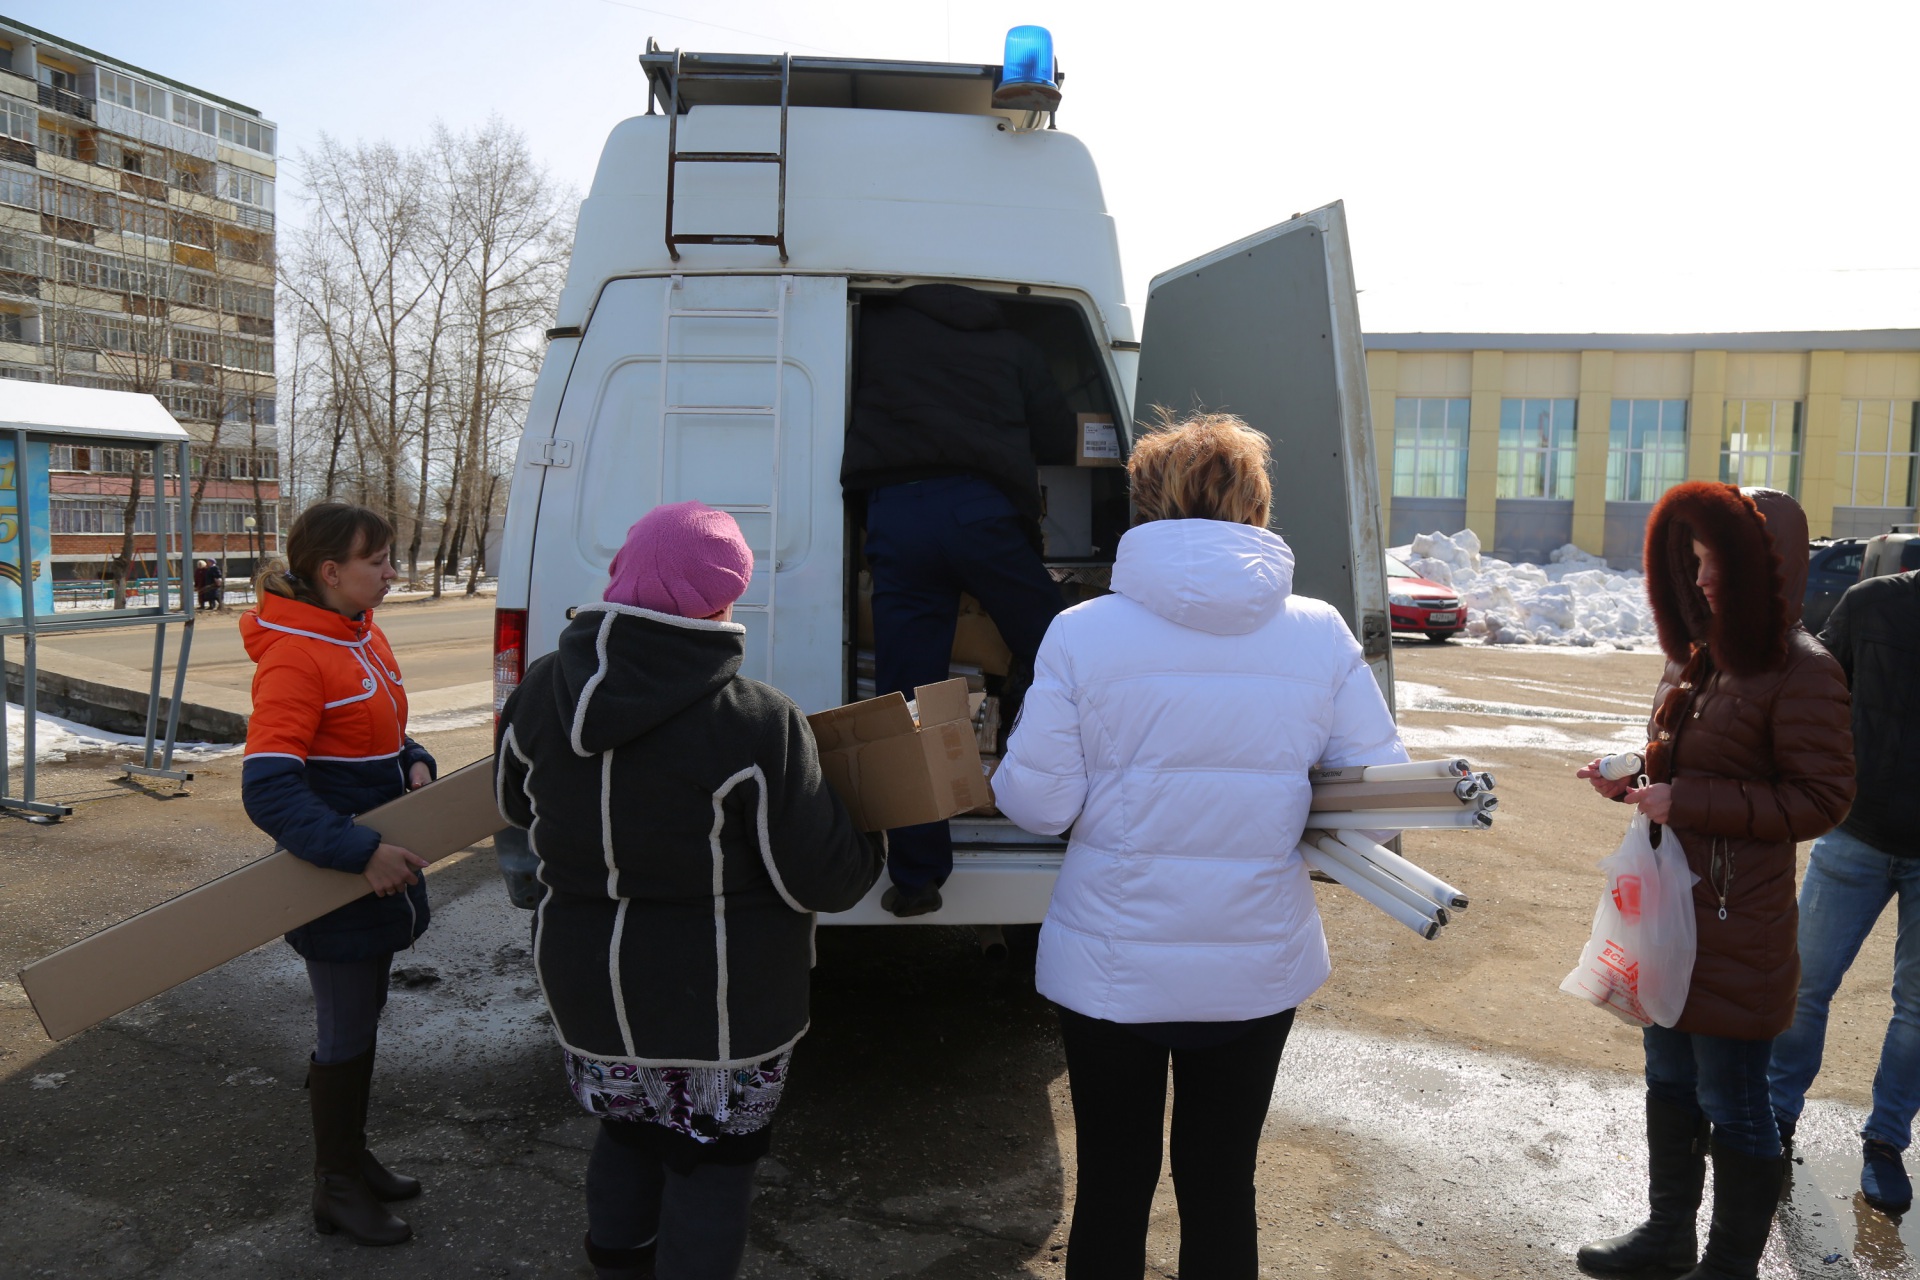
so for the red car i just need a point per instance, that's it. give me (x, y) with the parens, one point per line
(1418, 604)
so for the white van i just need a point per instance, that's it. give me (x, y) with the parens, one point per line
(704, 349)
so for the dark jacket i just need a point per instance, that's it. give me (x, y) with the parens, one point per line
(947, 389)
(685, 837)
(1755, 742)
(1874, 633)
(328, 740)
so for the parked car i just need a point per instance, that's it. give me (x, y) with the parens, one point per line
(1834, 566)
(1894, 552)
(1420, 604)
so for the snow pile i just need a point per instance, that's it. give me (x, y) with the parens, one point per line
(56, 739)
(1575, 599)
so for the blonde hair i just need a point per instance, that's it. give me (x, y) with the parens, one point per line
(1206, 466)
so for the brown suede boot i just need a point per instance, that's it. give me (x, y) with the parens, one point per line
(342, 1200)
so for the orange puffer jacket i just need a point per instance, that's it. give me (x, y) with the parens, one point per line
(328, 740)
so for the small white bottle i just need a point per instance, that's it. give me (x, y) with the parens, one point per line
(1625, 765)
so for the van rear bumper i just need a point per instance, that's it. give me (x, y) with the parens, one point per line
(1001, 875)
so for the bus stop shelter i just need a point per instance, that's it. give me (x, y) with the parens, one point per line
(35, 418)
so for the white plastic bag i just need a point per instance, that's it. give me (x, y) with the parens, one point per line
(1638, 964)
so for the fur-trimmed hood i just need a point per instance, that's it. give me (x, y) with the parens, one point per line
(1760, 536)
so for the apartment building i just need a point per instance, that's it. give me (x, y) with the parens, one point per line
(136, 254)
(1537, 440)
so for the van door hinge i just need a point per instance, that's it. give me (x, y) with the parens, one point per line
(554, 453)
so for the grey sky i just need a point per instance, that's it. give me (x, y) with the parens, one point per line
(1672, 166)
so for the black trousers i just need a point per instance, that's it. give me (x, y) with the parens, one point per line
(1220, 1098)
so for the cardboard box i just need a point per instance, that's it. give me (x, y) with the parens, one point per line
(895, 772)
(1099, 441)
(113, 970)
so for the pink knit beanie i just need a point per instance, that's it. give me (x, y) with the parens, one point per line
(685, 559)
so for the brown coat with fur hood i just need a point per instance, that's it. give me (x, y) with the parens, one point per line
(1757, 742)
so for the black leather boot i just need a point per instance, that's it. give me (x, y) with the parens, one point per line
(342, 1200)
(621, 1264)
(1746, 1191)
(1666, 1244)
(379, 1179)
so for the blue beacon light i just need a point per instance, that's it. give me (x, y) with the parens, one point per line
(1027, 76)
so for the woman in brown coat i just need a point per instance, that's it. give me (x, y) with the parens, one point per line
(1750, 750)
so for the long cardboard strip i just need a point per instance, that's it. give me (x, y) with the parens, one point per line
(1429, 793)
(1411, 770)
(90, 980)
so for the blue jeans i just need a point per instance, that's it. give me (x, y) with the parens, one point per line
(347, 999)
(927, 542)
(1722, 1077)
(1848, 885)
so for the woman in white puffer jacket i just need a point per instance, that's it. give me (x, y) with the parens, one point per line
(1171, 726)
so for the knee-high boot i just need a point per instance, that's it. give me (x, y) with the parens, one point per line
(1746, 1191)
(1666, 1244)
(342, 1200)
(380, 1180)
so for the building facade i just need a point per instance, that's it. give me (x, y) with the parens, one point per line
(1537, 440)
(136, 254)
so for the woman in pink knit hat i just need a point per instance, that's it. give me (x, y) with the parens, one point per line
(685, 837)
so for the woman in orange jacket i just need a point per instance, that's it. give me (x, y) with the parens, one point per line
(328, 740)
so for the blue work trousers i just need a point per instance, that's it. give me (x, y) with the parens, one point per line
(1720, 1076)
(1848, 886)
(927, 543)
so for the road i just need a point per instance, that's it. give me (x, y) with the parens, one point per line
(1443, 1111)
(440, 643)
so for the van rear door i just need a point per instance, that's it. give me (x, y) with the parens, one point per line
(1268, 328)
(728, 389)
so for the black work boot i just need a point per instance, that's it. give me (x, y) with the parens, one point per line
(1746, 1191)
(1666, 1244)
(342, 1200)
(621, 1264)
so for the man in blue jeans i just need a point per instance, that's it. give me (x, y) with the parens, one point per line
(951, 408)
(1873, 858)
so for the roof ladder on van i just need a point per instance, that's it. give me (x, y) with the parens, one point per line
(766, 557)
(745, 70)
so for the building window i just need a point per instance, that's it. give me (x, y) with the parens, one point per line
(1882, 463)
(1536, 449)
(197, 116)
(17, 186)
(58, 142)
(1430, 448)
(246, 188)
(13, 327)
(1646, 449)
(243, 131)
(18, 120)
(1762, 444)
(135, 95)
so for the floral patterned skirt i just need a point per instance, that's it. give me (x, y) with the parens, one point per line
(702, 1103)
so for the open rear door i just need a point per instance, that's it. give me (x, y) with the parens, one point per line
(1269, 329)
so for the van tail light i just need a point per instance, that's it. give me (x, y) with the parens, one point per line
(509, 655)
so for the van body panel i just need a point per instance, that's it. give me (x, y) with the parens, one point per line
(1266, 328)
(869, 193)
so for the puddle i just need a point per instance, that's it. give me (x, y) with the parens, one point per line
(1459, 1144)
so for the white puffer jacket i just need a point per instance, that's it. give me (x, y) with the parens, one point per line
(1171, 725)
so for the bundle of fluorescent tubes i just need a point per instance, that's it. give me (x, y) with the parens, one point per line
(1430, 794)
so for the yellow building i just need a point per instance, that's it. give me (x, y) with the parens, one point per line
(1537, 440)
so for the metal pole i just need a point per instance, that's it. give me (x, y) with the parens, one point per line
(30, 668)
(160, 597)
(183, 508)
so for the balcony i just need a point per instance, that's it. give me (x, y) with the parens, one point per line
(71, 103)
(17, 151)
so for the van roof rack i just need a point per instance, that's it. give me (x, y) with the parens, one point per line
(752, 79)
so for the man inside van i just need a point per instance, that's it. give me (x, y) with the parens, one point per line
(949, 410)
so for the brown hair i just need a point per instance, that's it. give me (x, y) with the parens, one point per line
(324, 531)
(1206, 466)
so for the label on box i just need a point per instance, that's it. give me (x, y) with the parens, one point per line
(1099, 439)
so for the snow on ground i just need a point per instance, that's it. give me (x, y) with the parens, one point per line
(1573, 600)
(56, 739)
(1541, 728)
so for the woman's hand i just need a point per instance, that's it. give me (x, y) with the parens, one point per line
(1655, 801)
(419, 775)
(1611, 788)
(391, 868)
